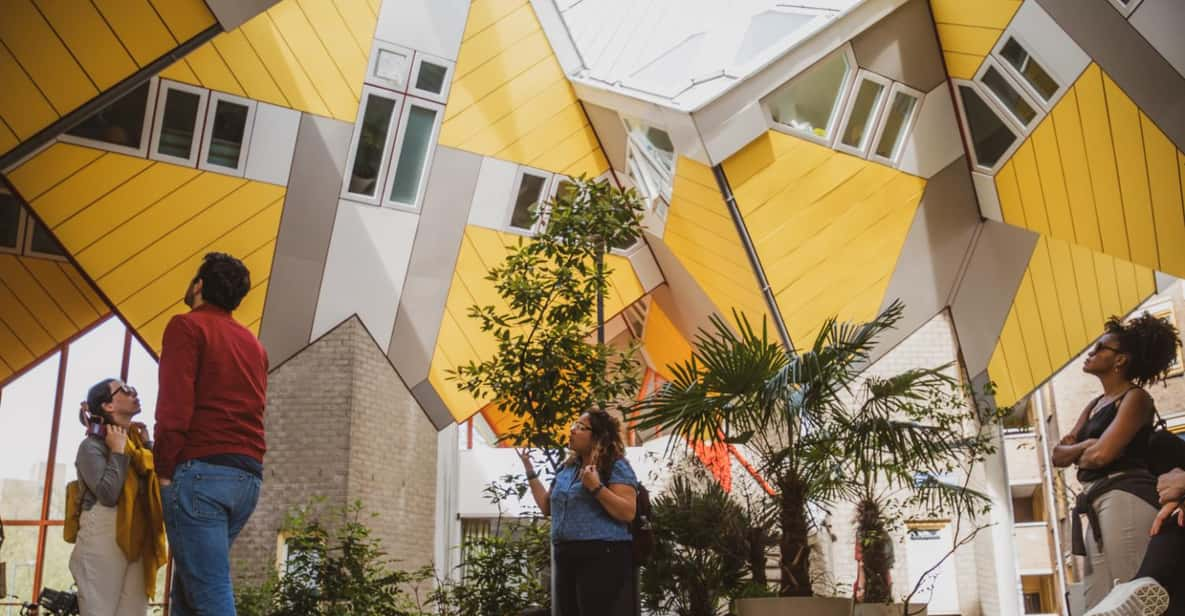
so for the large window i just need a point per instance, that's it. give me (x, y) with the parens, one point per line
(1008, 95)
(809, 104)
(122, 126)
(528, 198)
(176, 130)
(37, 446)
(396, 133)
(1031, 71)
(229, 121)
(991, 137)
(865, 105)
(898, 119)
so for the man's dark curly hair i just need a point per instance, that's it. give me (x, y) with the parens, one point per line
(225, 280)
(1150, 341)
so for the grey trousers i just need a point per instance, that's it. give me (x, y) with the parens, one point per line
(1125, 520)
(108, 585)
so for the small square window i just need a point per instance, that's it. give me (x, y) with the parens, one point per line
(392, 66)
(177, 128)
(430, 77)
(863, 110)
(896, 125)
(808, 104)
(41, 243)
(527, 200)
(1029, 69)
(990, 136)
(1009, 96)
(120, 126)
(228, 133)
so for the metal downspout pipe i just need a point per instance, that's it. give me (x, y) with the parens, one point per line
(734, 211)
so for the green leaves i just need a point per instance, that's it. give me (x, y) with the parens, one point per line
(544, 370)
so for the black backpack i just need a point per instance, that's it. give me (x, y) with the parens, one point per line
(1166, 450)
(642, 527)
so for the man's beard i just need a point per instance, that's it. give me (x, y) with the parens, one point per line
(189, 296)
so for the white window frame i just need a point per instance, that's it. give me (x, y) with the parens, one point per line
(27, 243)
(841, 100)
(1002, 114)
(145, 129)
(1126, 10)
(990, 62)
(874, 115)
(385, 160)
(372, 76)
(1063, 84)
(418, 60)
(543, 197)
(639, 151)
(21, 222)
(159, 118)
(643, 147)
(392, 157)
(906, 127)
(208, 134)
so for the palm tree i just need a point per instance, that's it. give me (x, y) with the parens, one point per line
(902, 435)
(742, 387)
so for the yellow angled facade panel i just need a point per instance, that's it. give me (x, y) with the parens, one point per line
(592, 165)
(360, 20)
(1088, 290)
(1109, 298)
(115, 208)
(22, 106)
(251, 310)
(248, 69)
(1028, 181)
(207, 65)
(487, 44)
(998, 371)
(961, 65)
(1061, 261)
(45, 170)
(1053, 185)
(50, 275)
(138, 27)
(89, 39)
(1133, 174)
(13, 352)
(19, 317)
(8, 139)
(1029, 318)
(41, 305)
(155, 222)
(335, 35)
(486, 13)
(985, 13)
(43, 56)
(340, 97)
(85, 186)
(664, 343)
(1048, 305)
(180, 71)
(184, 18)
(970, 40)
(1067, 125)
(1125, 281)
(1165, 191)
(1100, 153)
(268, 42)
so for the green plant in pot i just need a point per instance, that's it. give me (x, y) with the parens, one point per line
(902, 438)
(742, 387)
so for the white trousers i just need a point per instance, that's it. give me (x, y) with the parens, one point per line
(108, 585)
(1125, 520)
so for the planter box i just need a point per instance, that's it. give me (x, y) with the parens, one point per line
(889, 609)
(794, 606)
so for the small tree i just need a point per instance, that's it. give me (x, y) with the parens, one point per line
(747, 389)
(545, 370)
(900, 439)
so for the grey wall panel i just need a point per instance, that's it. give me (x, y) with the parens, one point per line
(1128, 58)
(450, 191)
(903, 47)
(987, 288)
(433, 405)
(1161, 22)
(681, 297)
(935, 250)
(610, 131)
(233, 13)
(305, 230)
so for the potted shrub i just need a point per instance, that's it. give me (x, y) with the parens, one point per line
(742, 387)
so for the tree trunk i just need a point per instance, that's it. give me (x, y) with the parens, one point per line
(877, 552)
(757, 555)
(795, 547)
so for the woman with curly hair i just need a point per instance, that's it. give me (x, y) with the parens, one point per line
(1109, 445)
(591, 502)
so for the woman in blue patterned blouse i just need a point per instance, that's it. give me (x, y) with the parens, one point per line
(591, 503)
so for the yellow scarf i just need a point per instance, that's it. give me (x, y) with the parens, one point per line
(140, 521)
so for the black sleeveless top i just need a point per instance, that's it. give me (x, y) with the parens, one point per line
(1133, 457)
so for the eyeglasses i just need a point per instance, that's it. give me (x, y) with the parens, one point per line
(125, 389)
(579, 427)
(1100, 347)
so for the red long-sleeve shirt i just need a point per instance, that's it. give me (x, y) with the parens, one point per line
(213, 389)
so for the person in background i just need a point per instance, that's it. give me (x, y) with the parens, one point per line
(1110, 446)
(209, 434)
(591, 502)
(120, 543)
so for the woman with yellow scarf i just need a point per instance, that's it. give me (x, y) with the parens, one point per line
(119, 539)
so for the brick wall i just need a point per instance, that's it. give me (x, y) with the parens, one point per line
(342, 425)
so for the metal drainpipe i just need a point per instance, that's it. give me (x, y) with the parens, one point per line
(1050, 497)
(771, 302)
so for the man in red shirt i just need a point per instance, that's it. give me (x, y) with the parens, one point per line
(209, 434)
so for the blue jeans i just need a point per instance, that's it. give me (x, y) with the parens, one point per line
(206, 506)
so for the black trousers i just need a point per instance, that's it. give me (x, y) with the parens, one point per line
(594, 578)
(1164, 561)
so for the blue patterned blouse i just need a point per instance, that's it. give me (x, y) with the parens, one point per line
(577, 516)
